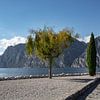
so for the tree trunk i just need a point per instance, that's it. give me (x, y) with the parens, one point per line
(50, 68)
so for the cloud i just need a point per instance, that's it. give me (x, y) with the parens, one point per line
(4, 43)
(85, 39)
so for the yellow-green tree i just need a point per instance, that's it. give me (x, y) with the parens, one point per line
(47, 44)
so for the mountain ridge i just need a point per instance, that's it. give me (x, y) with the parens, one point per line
(74, 56)
(15, 56)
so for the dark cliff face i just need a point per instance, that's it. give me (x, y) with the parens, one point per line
(15, 56)
(81, 60)
(70, 54)
(97, 40)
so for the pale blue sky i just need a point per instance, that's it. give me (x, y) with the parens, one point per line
(18, 16)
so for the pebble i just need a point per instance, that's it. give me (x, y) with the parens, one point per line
(57, 88)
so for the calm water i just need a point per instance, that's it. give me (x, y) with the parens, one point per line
(6, 72)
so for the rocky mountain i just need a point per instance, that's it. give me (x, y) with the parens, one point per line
(81, 60)
(70, 54)
(15, 56)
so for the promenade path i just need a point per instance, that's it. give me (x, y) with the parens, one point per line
(95, 95)
(57, 88)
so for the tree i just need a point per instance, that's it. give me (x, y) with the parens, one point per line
(91, 56)
(47, 45)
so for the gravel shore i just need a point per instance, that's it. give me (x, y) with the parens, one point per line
(57, 88)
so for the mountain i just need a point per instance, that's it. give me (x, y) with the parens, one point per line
(81, 60)
(15, 56)
(70, 54)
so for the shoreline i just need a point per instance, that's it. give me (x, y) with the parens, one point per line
(40, 76)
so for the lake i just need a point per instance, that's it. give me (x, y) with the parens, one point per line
(7, 72)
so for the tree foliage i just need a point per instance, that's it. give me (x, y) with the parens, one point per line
(30, 45)
(91, 56)
(47, 44)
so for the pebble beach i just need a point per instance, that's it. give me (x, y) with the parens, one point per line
(57, 88)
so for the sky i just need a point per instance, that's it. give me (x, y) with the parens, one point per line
(17, 17)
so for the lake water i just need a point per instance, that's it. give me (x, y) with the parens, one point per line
(6, 72)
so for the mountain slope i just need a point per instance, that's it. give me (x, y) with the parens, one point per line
(81, 60)
(15, 56)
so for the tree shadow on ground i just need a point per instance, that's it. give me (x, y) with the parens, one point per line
(80, 80)
(84, 95)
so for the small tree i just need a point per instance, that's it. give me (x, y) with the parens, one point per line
(47, 45)
(91, 56)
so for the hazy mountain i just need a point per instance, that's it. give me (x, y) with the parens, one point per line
(15, 56)
(81, 60)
